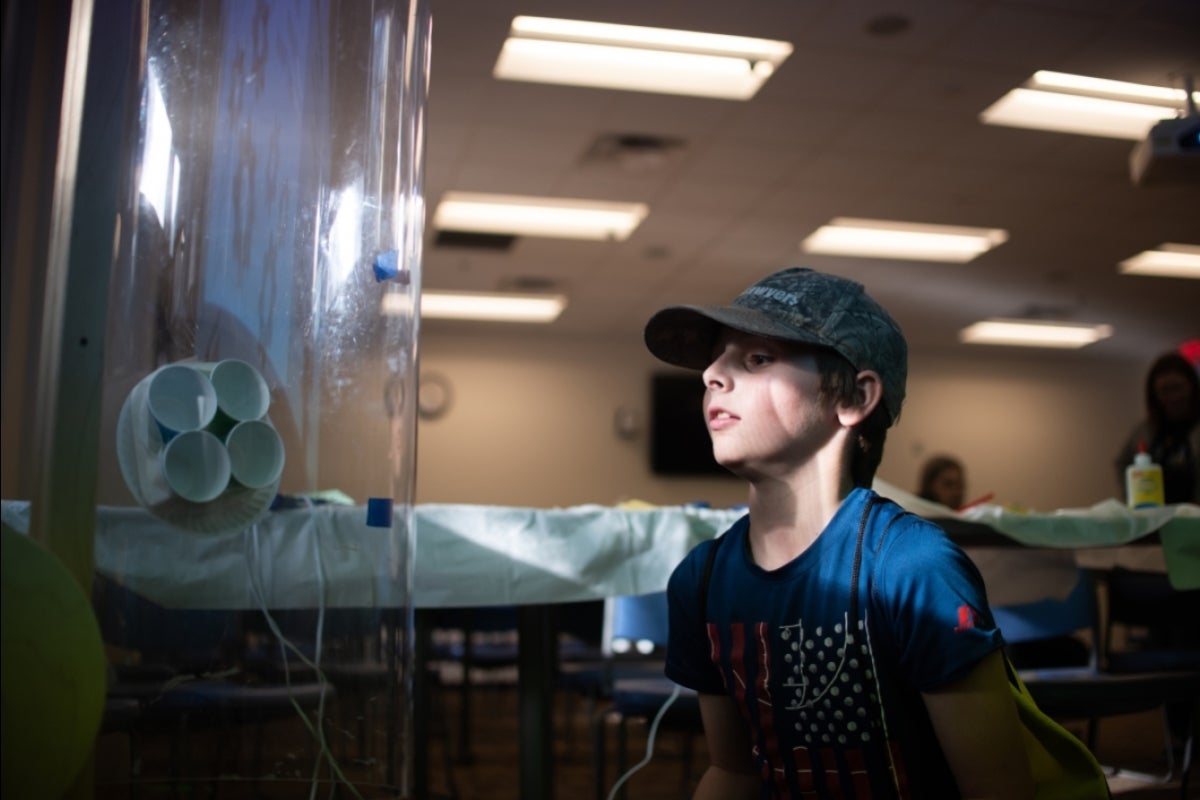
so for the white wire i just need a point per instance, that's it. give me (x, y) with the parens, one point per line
(285, 644)
(649, 743)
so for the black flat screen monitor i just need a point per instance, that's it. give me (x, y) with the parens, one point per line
(679, 441)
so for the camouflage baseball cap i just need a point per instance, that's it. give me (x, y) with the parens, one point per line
(794, 305)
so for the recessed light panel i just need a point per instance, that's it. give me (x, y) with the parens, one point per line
(493, 307)
(1027, 333)
(1168, 261)
(1057, 101)
(873, 238)
(537, 216)
(603, 55)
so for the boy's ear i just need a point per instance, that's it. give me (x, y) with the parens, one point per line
(868, 393)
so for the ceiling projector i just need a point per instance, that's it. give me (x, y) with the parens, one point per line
(1170, 153)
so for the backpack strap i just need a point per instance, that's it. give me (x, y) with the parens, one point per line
(858, 548)
(704, 579)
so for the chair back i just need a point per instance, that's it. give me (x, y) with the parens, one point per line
(635, 621)
(1149, 624)
(181, 640)
(1076, 615)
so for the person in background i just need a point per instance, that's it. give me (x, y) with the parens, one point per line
(835, 640)
(943, 480)
(1171, 435)
(1171, 428)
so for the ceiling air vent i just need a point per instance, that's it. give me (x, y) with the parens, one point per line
(529, 284)
(633, 152)
(469, 240)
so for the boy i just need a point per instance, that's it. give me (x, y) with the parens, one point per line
(840, 646)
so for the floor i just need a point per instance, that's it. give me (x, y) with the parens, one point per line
(1131, 741)
(280, 753)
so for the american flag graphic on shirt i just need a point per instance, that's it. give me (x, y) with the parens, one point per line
(816, 689)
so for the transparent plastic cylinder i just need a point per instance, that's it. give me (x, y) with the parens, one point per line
(253, 541)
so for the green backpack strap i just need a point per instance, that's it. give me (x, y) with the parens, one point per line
(1063, 767)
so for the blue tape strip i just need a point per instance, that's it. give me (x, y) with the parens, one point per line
(379, 512)
(387, 266)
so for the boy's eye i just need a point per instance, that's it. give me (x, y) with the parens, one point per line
(758, 359)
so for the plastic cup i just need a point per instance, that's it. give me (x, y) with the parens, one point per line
(196, 466)
(180, 399)
(255, 453)
(242, 394)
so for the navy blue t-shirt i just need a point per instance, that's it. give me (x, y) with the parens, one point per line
(807, 678)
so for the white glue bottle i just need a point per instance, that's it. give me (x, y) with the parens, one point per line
(1143, 481)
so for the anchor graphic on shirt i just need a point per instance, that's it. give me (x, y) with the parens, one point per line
(966, 619)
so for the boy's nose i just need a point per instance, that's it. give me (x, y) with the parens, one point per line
(714, 377)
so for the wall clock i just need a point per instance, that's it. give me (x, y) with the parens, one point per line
(433, 395)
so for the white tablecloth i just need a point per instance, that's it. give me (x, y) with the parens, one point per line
(470, 555)
(466, 555)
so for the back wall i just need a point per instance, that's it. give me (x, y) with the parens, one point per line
(531, 423)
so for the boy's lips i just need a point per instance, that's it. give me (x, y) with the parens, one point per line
(719, 418)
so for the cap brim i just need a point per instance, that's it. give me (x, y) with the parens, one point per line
(686, 335)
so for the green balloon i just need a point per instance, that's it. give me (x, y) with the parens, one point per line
(52, 683)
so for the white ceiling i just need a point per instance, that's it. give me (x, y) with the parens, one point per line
(852, 124)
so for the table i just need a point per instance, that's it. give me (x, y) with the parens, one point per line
(327, 556)
(468, 555)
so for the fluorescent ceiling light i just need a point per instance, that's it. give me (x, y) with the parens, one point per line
(847, 236)
(1025, 333)
(1168, 261)
(1057, 101)
(538, 216)
(480, 306)
(578, 53)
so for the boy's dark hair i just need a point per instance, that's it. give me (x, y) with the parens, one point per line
(839, 384)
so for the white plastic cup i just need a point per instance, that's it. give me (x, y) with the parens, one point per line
(255, 453)
(180, 399)
(242, 394)
(196, 466)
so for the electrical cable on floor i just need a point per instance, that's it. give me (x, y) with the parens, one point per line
(649, 743)
(285, 644)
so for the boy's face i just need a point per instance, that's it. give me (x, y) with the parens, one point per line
(761, 405)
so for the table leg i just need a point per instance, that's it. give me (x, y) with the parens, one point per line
(535, 689)
(419, 749)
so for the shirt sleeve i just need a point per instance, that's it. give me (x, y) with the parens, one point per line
(689, 662)
(935, 605)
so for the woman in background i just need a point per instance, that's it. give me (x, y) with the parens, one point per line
(1171, 429)
(943, 480)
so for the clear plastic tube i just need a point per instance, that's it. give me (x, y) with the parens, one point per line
(275, 199)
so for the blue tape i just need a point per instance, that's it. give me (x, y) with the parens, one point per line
(379, 512)
(387, 266)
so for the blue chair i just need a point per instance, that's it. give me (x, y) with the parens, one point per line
(1090, 692)
(635, 641)
(1148, 623)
